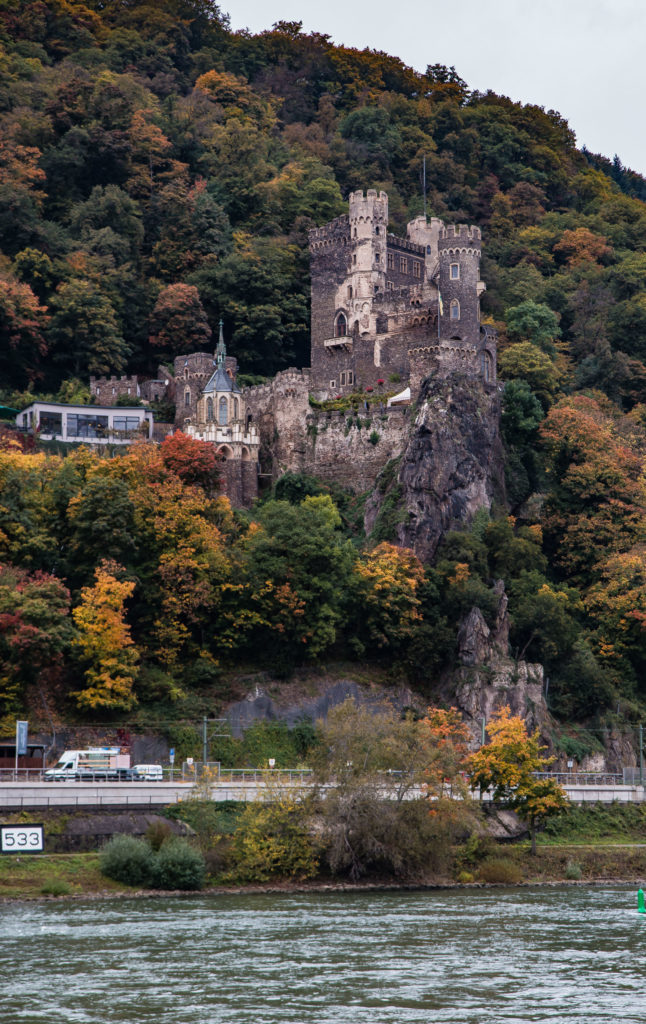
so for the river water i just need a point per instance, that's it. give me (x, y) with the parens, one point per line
(566, 955)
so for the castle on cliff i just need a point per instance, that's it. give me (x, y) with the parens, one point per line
(386, 313)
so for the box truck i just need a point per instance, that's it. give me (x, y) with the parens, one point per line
(96, 764)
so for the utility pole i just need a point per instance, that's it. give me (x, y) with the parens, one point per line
(641, 755)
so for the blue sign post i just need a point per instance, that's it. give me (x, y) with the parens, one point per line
(21, 738)
(21, 742)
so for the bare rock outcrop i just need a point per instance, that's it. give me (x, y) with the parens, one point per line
(487, 679)
(452, 465)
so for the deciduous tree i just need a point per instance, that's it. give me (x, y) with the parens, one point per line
(507, 764)
(105, 647)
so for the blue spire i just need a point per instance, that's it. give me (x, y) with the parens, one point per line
(221, 350)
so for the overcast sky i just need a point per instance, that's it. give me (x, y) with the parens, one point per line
(584, 58)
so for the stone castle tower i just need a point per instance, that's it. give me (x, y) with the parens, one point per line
(388, 309)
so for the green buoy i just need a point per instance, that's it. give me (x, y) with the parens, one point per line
(641, 907)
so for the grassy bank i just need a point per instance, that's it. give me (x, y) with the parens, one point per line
(29, 876)
(585, 844)
(78, 874)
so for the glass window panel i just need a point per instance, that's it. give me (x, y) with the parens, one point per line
(51, 422)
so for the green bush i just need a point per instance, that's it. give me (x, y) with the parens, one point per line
(499, 870)
(126, 859)
(157, 833)
(465, 877)
(55, 887)
(374, 437)
(178, 865)
(573, 871)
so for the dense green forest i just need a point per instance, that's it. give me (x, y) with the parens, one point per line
(158, 172)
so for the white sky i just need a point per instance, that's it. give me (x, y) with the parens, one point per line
(584, 58)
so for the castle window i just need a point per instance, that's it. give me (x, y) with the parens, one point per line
(235, 408)
(455, 271)
(376, 231)
(428, 249)
(455, 309)
(403, 264)
(391, 261)
(354, 257)
(377, 257)
(342, 378)
(390, 286)
(333, 384)
(486, 365)
(416, 268)
(209, 410)
(187, 398)
(340, 326)
(349, 291)
(350, 377)
(223, 412)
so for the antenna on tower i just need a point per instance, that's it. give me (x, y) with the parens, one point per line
(424, 183)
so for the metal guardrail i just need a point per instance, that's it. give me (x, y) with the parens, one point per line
(193, 773)
(584, 778)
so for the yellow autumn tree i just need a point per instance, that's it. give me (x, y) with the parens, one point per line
(104, 644)
(510, 764)
(386, 582)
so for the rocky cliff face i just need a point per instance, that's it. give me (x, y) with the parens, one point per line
(451, 466)
(487, 679)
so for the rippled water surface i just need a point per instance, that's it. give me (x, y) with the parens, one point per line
(558, 955)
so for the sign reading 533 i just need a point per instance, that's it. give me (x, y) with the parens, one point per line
(21, 838)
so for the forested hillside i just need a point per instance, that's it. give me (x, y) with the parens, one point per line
(159, 172)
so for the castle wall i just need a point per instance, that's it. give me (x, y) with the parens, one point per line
(339, 450)
(239, 481)
(106, 390)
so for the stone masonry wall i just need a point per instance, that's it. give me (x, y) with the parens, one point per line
(339, 448)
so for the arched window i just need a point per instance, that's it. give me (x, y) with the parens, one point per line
(340, 326)
(455, 309)
(187, 398)
(223, 412)
(209, 410)
(235, 408)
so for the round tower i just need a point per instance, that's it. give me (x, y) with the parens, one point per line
(459, 250)
(368, 217)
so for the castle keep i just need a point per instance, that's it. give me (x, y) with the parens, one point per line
(388, 307)
(387, 312)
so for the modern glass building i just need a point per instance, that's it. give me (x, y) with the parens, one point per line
(93, 424)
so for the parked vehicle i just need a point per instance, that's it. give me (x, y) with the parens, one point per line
(148, 772)
(96, 764)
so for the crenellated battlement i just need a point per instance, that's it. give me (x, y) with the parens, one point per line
(453, 235)
(395, 242)
(373, 207)
(333, 233)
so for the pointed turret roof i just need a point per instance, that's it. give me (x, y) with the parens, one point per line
(220, 379)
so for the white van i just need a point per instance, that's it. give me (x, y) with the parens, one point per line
(148, 772)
